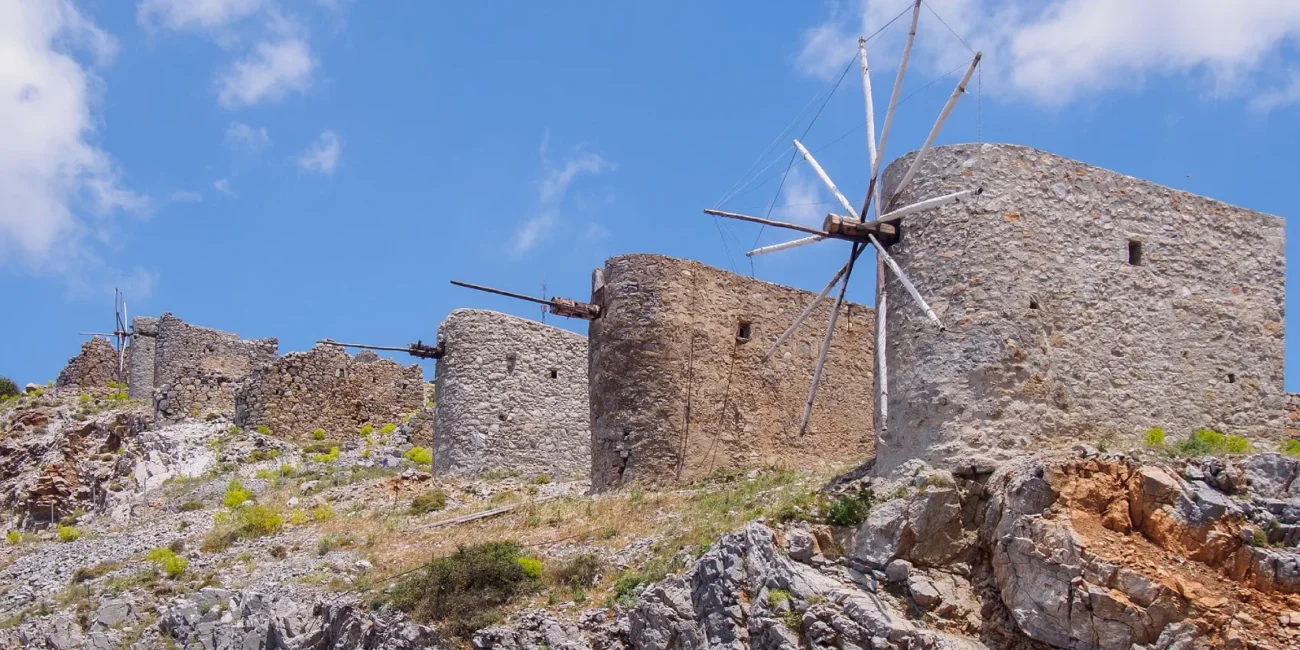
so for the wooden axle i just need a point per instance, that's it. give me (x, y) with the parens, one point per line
(418, 349)
(850, 228)
(559, 306)
(886, 232)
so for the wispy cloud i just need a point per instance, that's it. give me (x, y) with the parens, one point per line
(552, 189)
(279, 62)
(322, 157)
(184, 196)
(1053, 52)
(245, 139)
(61, 195)
(223, 185)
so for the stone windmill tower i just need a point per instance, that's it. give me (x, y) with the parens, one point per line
(854, 226)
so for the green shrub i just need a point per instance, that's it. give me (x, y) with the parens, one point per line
(431, 501)
(1155, 437)
(68, 533)
(258, 521)
(322, 513)
(1208, 442)
(13, 537)
(168, 561)
(418, 455)
(850, 510)
(367, 430)
(465, 589)
(577, 572)
(191, 505)
(542, 479)
(259, 455)
(236, 494)
(263, 429)
(327, 458)
(532, 567)
(8, 388)
(387, 429)
(318, 434)
(1290, 447)
(775, 597)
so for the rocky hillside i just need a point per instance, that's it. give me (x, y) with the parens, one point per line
(123, 533)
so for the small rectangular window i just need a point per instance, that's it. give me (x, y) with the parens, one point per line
(555, 374)
(743, 331)
(1134, 252)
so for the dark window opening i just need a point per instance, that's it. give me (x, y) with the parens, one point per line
(1232, 378)
(555, 374)
(743, 331)
(502, 417)
(1134, 252)
(1033, 302)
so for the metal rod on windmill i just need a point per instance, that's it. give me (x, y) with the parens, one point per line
(417, 349)
(889, 113)
(558, 306)
(934, 131)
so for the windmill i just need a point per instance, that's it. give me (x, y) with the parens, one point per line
(121, 335)
(854, 226)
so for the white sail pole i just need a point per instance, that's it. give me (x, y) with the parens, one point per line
(907, 284)
(889, 112)
(934, 131)
(785, 245)
(807, 310)
(871, 111)
(923, 205)
(821, 173)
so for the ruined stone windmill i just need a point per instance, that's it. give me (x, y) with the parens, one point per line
(121, 335)
(855, 228)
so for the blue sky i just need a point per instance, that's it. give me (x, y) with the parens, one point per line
(322, 169)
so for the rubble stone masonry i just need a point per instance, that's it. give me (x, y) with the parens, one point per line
(93, 367)
(511, 394)
(1080, 304)
(140, 357)
(680, 389)
(195, 368)
(326, 388)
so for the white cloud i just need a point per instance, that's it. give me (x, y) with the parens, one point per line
(268, 74)
(59, 191)
(1056, 51)
(551, 191)
(802, 200)
(223, 185)
(1278, 97)
(243, 138)
(322, 156)
(191, 14)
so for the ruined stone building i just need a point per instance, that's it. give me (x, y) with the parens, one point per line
(190, 370)
(94, 367)
(680, 389)
(511, 394)
(1080, 304)
(327, 388)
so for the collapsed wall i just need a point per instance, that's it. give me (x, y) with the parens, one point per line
(140, 357)
(196, 368)
(680, 389)
(1080, 304)
(94, 367)
(326, 388)
(511, 394)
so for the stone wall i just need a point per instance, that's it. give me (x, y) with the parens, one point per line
(326, 388)
(93, 367)
(679, 388)
(1081, 304)
(511, 394)
(140, 357)
(195, 368)
(1293, 415)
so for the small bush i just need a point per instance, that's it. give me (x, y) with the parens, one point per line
(1236, 445)
(326, 459)
(69, 533)
(13, 537)
(577, 572)
(1290, 447)
(850, 510)
(86, 573)
(532, 567)
(318, 434)
(325, 544)
(259, 455)
(279, 552)
(431, 501)
(191, 505)
(236, 494)
(419, 455)
(1155, 437)
(464, 590)
(387, 429)
(322, 513)
(168, 561)
(8, 388)
(259, 521)
(1208, 442)
(542, 479)
(263, 429)
(367, 430)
